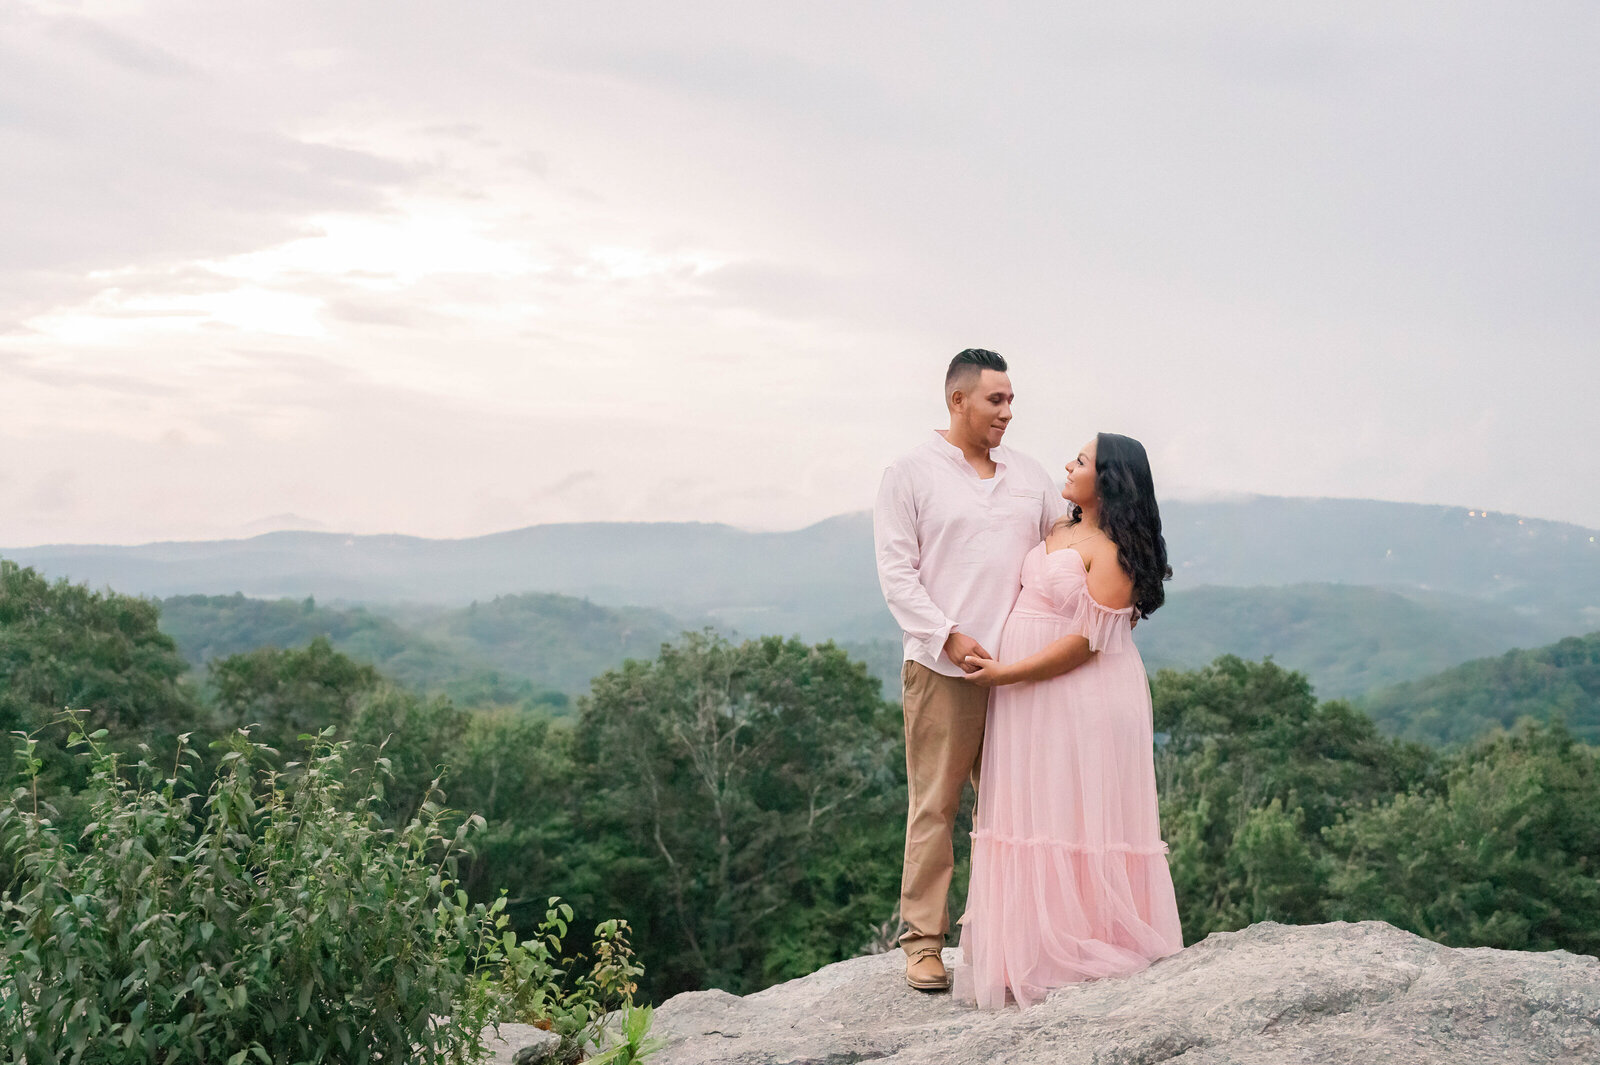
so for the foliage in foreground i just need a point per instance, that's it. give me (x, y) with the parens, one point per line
(544, 987)
(281, 923)
(274, 918)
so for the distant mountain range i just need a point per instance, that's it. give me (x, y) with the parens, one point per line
(1356, 593)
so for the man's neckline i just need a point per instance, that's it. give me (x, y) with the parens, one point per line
(960, 456)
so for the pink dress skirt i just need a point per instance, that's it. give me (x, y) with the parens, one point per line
(1069, 872)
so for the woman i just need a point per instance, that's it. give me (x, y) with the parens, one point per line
(1069, 873)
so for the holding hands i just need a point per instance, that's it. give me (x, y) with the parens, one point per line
(959, 647)
(980, 666)
(984, 671)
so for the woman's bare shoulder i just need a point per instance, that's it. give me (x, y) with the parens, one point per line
(1109, 583)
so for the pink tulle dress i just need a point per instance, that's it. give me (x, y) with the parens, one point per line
(1069, 872)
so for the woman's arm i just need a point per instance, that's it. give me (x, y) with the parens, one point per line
(1062, 656)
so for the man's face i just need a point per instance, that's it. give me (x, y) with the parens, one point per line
(985, 408)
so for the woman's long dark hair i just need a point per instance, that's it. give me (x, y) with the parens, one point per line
(1130, 518)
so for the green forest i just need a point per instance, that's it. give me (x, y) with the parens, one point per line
(740, 804)
(1464, 702)
(540, 646)
(533, 648)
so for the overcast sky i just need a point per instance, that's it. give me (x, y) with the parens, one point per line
(447, 269)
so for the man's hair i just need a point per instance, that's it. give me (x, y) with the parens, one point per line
(969, 364)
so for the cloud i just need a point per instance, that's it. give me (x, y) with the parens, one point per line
(120, 153)
(130, 53)
(768, 79)
(53, 494)
(792, 290)
(400, 267)
(17, 366)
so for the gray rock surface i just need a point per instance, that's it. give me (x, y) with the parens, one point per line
(521, 1044)
(1270, 994)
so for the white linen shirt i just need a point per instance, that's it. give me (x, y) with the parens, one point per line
(950, 547)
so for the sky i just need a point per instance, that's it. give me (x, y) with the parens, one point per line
(449, 269)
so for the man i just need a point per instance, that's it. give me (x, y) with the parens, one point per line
(953, 521)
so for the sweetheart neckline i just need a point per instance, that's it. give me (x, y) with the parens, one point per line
(1066, 547)
(1084, 566)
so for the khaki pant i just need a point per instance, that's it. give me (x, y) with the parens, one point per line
(944, 743)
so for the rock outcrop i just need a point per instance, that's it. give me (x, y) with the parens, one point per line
(520, 1044)
(1268, 995)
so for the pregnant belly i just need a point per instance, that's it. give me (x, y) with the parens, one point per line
(1119, 675)
(1031, 634)
(1027, 634)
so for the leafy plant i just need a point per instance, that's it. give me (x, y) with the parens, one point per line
(547, 989)
(632, 1046)
(273, 918)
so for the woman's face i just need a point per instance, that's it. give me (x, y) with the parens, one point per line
(1080, 486)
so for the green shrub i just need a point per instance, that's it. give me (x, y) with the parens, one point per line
(545, 988)
(273, 918)
(631, 1045)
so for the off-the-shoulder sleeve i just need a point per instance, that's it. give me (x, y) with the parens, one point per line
(1105, 629)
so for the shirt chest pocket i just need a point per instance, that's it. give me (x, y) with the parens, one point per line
(1022, 512)
(1007, 526)
(976, 530)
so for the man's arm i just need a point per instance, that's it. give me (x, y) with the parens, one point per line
(894, 535)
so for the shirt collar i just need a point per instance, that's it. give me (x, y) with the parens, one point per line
(996, 454)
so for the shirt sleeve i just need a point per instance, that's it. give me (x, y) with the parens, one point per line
(894, 535)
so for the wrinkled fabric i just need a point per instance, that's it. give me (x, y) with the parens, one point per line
(944, 740)
(1069, 871)
(950, 545)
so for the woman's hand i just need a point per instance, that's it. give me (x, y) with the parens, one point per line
(984, 672)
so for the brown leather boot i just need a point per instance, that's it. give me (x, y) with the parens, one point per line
(925, 969)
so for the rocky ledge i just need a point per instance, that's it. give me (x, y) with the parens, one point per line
(1269, 994)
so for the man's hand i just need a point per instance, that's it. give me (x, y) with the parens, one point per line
(984, 672)
(958, 647)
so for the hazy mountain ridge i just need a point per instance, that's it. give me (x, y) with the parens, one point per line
(823, 576)
(1355, 593)
(1348, 639)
